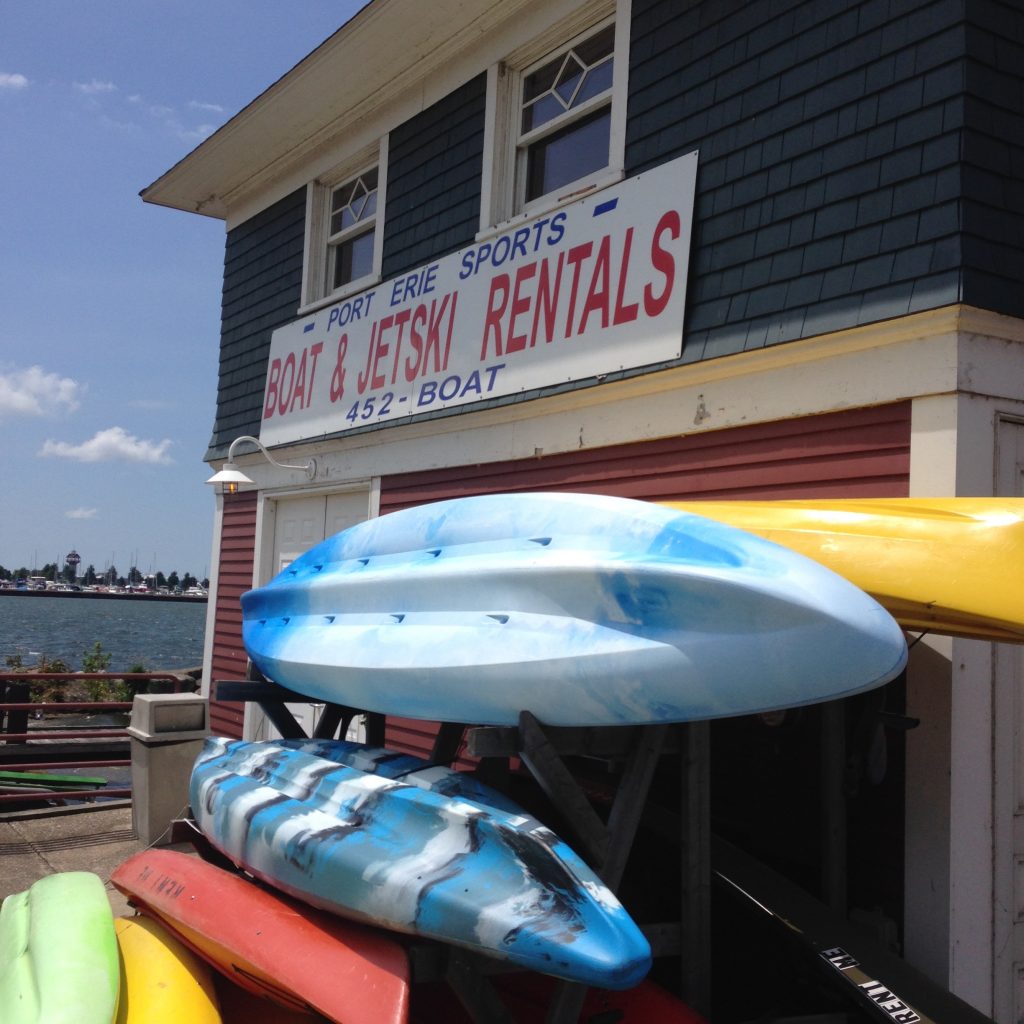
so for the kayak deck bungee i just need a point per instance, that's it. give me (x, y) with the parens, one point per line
(392, 854)
(280, 950)
(58, 953)
(943, 565)
(584, 610)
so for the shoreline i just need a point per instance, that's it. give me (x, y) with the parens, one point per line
(103, 595)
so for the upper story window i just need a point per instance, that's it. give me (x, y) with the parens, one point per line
(556, 115)
(344, 228)
(565, 122)
(352, 230)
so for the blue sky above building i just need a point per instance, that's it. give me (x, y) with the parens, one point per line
(109, 307)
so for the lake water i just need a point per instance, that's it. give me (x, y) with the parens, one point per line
(156, 634)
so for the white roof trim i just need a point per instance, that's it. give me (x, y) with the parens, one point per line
(342, 82)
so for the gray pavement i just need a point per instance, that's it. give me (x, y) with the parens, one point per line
(92, 837)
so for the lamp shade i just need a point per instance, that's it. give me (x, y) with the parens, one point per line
(230, 477)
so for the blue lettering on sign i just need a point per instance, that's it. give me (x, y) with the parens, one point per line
(354, 309)
(412, 286)
(458, 386)
(523, 242)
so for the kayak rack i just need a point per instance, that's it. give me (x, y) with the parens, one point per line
(605, 845)
(880, 985)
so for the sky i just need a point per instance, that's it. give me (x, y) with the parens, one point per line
(109, 306)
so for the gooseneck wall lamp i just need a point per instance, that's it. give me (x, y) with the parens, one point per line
(231, 476)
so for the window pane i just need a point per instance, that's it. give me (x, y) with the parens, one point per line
(542, 79)
(353, 259)
(567, 155)
(598, 79)
(568, 80)
(540, 112)
(353, 201)
(591, 50)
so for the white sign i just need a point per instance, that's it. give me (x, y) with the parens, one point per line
(596, 287)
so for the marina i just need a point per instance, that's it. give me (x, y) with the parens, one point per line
(157, 633)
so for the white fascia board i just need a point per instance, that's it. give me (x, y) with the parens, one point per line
(385, 51)
(893, 361)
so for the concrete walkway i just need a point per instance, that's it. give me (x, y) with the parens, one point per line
(92, 837)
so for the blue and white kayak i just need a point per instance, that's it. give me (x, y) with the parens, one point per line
(403, 857)
(584, 610)
(413, 771)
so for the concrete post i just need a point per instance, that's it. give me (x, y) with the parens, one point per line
(167, 731)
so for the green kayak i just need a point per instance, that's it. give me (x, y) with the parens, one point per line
(58, 953)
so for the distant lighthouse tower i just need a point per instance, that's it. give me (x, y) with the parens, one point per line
(73, 560)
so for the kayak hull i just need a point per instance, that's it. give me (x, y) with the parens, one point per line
(58, 953)
(392, 854)
(291, 954)
(163, 982)
(584, 610)
(944, 565)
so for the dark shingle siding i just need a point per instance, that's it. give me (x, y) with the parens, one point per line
(262, 288)
(858, 161)
(993, 158)
(435, 163)
(829, 139)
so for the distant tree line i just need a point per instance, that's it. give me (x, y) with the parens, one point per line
(109, 577)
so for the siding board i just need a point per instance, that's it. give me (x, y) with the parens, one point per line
(262, 289)
(234, 577)
(854, 453)
(435, 162)
(852, 111)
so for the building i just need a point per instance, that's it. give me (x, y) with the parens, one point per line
(810, 285)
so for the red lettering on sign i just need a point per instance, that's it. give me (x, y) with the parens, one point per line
(597, 294)
(577, 254)
(416, 339)
(547, 300)
(384, 324)
(624, 314)
(497, 300)
(520, 304)
(273, 378)
(401, 319)
(663, 261)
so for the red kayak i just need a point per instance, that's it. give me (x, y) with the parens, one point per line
(298, 957)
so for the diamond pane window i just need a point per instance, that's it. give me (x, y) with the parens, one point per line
(353, 202)
(351, 230)
(568, 81)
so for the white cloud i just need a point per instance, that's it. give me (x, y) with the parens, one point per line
(33, 392)
(95, 87)
(213, 108)
(81, 513)
(10, 80)
(112, 445)
(196, 134)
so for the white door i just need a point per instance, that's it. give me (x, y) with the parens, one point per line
(299, 524)
(1008, 738)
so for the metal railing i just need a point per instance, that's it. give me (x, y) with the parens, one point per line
(26, 729)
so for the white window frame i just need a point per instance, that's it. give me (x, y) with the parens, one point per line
(315, 290)
(503, 201)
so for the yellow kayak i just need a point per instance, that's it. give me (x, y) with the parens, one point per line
(162, 980)
(944, 565)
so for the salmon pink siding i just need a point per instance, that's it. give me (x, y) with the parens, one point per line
(855, 453)
(234, 577)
